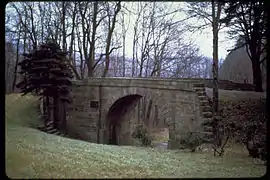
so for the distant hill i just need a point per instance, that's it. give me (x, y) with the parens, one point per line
(237, 68)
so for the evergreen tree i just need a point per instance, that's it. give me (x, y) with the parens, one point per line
(48, 75)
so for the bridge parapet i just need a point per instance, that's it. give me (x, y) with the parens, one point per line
(153, 83)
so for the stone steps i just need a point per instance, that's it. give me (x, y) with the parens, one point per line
(197, 89)
(208, 140)
(204, 102)
(201, 93)
(206, 108)
(199, 85)
(202, 98)
(206, 113)
(207, 122)
(50, 129)
(49, 123)
(58, 133)
(207, 135)
(208, 128)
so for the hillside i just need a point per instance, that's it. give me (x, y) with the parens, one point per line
(237, 67)
(34, 154)
(232, 95)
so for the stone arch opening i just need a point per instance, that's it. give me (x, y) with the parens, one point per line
(115, 118)
(161, 130)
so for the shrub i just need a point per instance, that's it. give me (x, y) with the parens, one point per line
(191, 141)
(247, 122)
(205, 148)
(141, 132)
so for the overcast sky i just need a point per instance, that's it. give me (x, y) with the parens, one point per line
(203, 39)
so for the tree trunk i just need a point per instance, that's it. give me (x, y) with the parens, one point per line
(44, 108)
(124, 46)
(108, 41)
(257, 75)
(215, 23)
(47, 113)
(55, 112)
(92, 44)
(141, 68)
(62, 115)
(133, 58)
(16, 64)
(72, 38)
(64, 26)
(215, 60)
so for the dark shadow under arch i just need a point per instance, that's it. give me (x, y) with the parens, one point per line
(115, 115)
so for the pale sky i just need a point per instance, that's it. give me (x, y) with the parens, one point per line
(205, 43)
(204, 39)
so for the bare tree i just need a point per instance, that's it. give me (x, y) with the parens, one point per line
(111, 26)
(10, 51)
(213, 17)
(202, 11)
(124, 32)
(140, 8)
(17, 60)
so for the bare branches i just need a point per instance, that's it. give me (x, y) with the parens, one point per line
(117, 8)
(79, 28)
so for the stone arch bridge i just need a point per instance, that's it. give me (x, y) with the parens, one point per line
(100, 110)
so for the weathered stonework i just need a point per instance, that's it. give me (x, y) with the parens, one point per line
(100, 102)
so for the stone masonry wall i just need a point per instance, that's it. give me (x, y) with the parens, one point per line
(177, 102)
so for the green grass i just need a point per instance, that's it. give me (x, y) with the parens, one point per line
(34, 154)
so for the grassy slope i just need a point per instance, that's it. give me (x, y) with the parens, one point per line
(236, 95)
(34, 154)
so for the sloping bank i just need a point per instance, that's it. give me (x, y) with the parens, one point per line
(244, 112)
(31, 153)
